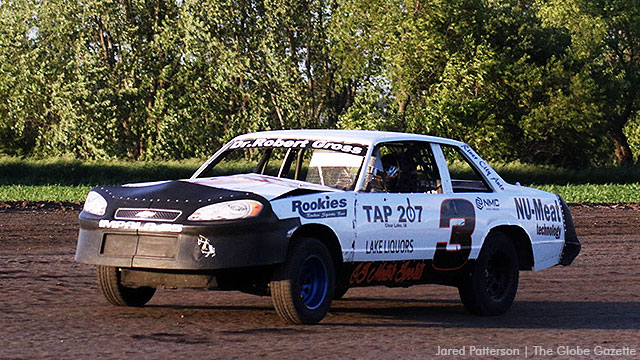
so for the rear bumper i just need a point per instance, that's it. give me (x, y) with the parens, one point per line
(235, 244)
(572, 245)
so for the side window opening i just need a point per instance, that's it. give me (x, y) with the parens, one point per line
(403, 167)
(464, 176)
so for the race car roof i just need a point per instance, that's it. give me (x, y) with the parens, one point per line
(365, 137)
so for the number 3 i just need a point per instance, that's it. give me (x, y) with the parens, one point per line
(444, 259)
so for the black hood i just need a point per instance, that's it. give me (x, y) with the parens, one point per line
(171, 195)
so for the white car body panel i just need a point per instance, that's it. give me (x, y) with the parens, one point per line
(364, 236)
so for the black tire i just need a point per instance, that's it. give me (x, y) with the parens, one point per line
(302, 287)
(116, 293)
(491, 285)
(339, 293)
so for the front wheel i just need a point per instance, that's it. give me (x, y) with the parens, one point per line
(302, 287)
(490, 287)
(118, 294)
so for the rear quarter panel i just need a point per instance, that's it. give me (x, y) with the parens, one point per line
(538, 213)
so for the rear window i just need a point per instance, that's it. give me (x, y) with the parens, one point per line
(464, 176)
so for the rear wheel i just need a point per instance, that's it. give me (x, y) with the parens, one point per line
(118, 294)
(490, 287)
(302, 287)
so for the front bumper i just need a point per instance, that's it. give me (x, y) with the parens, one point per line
(244, 243)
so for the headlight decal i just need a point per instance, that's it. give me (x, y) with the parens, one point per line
(228, 210)
(95, 204)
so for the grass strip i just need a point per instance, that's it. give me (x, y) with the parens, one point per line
(63, 179)
(596, 193)
(44, 192)
(64, 171)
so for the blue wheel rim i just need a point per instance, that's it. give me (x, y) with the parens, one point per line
(313, 282)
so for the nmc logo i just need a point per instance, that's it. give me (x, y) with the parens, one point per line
(487, 203)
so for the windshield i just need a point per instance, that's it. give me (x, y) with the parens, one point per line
(321, 162)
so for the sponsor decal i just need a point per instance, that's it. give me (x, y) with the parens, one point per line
(472, 154)
(205, 247)
(137, 225)
(405, 213)
(528, 209)
(548, 230)
(320, 208)
(355, 149)
(387, 272)
(389, 246)
(486, 169)
(487, 204)
(491, 175)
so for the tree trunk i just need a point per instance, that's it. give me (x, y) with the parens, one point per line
(622, 149)
(402, 104)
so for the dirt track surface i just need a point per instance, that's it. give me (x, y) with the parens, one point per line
(51, 307)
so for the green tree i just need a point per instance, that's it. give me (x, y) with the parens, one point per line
(491, 73)
(162, 78)
(606, 35)
(554, 82)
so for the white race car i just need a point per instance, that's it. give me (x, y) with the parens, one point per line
(304, 215)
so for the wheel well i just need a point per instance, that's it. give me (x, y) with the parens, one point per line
(325, 235)
(522, 243)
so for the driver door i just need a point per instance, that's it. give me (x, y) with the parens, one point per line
(398, 213)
